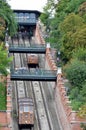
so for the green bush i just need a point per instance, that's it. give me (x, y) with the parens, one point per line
(73, 93)
(80, 54)
(76, 73)
(76, 98)
(83, 126)
(82, 112)
(75, 104)
(2, 96)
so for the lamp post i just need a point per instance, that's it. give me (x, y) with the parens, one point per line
(6, 41)
(59, 59)
(6, 35)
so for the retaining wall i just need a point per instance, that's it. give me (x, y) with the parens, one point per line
(9, 102)
(38, 35)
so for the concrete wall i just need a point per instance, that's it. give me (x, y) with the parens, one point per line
(67, 116)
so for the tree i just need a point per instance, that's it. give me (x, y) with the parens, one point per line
(71, 24)
(61, 9)
(73, 5)
(75, 71)
(80, 54)
(47, 18)
(80, 37)
(2, 96)
(2, 28)
(82, 11)
(4, 60)
(82, 111)
(7, 14)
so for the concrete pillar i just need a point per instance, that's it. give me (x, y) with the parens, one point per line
(59, 75)
(48, 48)
(7, 45)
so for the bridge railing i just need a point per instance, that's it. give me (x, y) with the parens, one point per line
(30, 45)
(40, 72)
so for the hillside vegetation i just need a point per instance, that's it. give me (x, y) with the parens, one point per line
(65, 23)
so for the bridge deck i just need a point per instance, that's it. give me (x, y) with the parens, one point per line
(36, 48)
(36, 75)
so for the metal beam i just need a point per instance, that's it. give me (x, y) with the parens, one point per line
(27, 50)
(34, 78)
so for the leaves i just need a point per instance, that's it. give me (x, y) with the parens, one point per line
(4, 60)
(68, 34)
(8, 16)
(71, 23)
(2, 28)
(82, 112)
(76, 73)
(82, 9)
(2, 96)
(80, 37)
(80, 54)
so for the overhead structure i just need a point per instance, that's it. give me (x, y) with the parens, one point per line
(26, 17)
(34, 75)
(21, 48)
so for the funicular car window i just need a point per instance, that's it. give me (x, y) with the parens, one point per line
(26, 108)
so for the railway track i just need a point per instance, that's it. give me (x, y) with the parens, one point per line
(31, 89)
(41, 112)
(43, 119)
(21, 87)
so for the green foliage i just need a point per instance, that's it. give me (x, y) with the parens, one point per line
(82, 111)
(45, 20)
(78, 97)
(82, 11)
(2, 28)
(75, 104)
(73, 5)
(63, 24)
(83, 126)
(76, 72)
(2, 96)
(61, 6)
(71, 23)
(74, 91)
(7, 14)
(47, 14)
(80, 37)
(70, 29)
(68, 33)
(80, 54)
(83, 91)
(4, 60)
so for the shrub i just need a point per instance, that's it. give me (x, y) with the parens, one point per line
(76, 73)
(2, 96)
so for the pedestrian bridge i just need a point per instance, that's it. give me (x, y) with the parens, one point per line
(21, 48)
(33, 75)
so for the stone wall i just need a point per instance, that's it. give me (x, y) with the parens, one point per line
(38, 35)
(9, 101)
